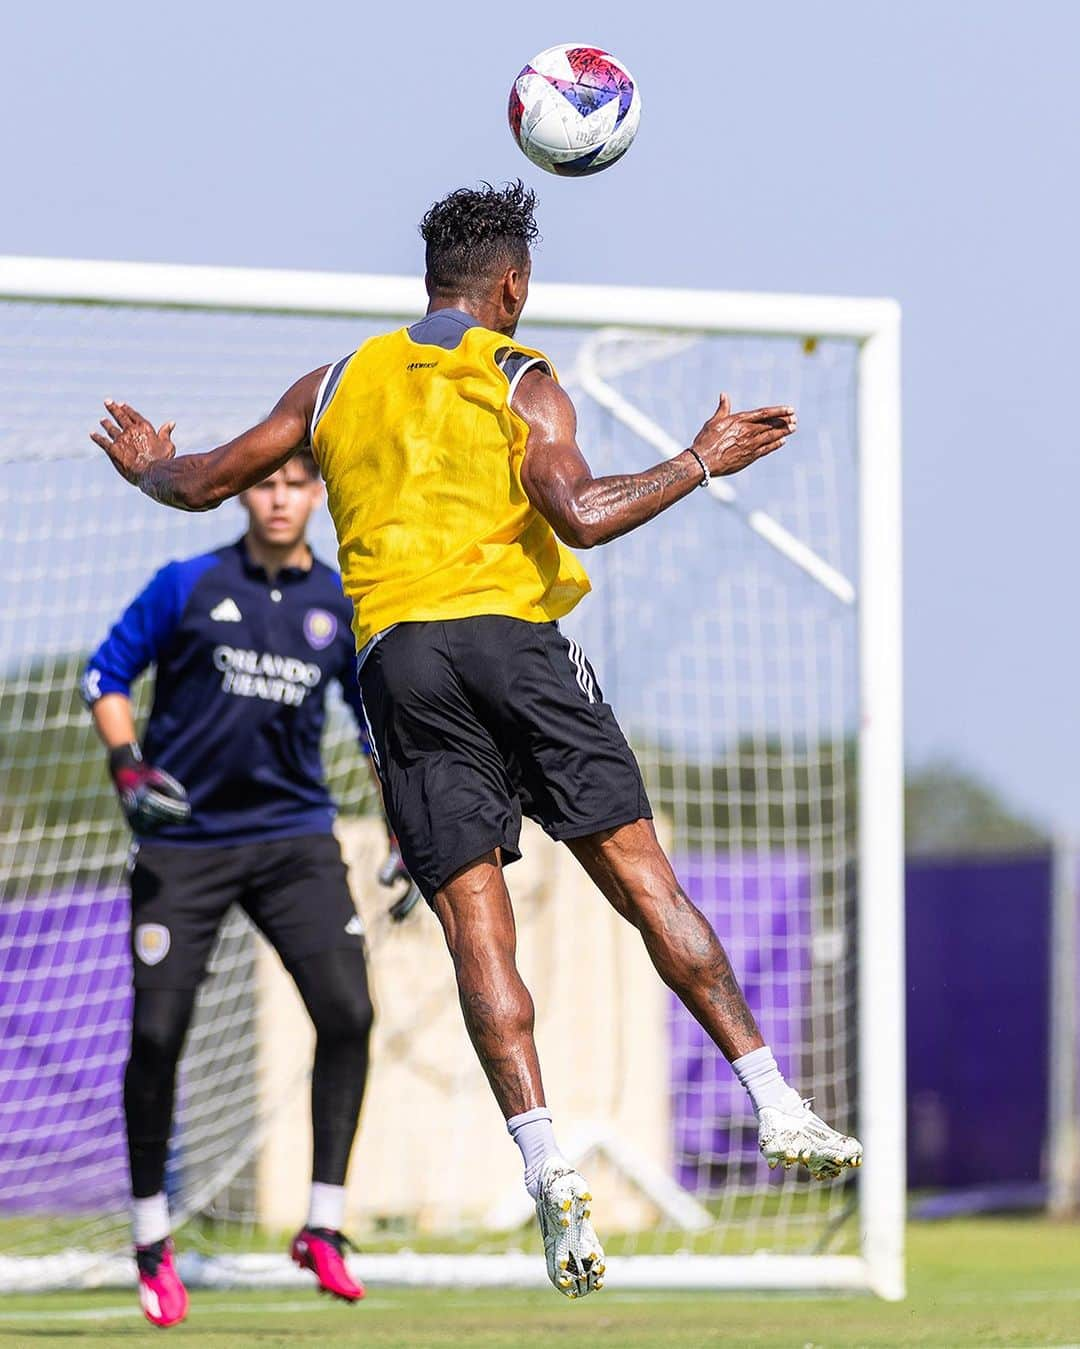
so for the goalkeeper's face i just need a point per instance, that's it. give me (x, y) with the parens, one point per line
(279, 507)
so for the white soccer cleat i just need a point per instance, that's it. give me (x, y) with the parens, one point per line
(575, 1258)
(786, 1137)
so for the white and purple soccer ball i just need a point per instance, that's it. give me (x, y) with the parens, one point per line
(574, 110)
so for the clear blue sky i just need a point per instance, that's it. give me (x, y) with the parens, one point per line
(924, 151)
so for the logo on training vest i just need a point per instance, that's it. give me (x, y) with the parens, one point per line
(266, 675)
(420, 365)
(226, 612)
(354, 927)
(152, 942)
(320, 628)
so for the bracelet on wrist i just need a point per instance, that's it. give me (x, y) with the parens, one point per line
(705, 474)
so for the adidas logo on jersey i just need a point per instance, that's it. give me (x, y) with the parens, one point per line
(226, 612)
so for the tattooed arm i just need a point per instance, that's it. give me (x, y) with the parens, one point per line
(585, 511)
(199, 482)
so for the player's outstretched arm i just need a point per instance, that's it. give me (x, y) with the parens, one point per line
(199, 482)
(585, 511)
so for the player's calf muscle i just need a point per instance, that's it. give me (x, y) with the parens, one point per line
(690, 959)
(707, 984)
(634, 874)
(502, 1034)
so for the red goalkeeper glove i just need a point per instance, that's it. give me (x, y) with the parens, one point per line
(149, 797)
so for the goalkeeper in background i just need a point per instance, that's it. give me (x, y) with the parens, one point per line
(227, 803)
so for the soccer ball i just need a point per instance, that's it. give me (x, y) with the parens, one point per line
(574, 110)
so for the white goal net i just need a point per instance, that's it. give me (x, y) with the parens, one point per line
(748, 641)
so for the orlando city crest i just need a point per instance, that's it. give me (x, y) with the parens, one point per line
(152, 942)
(320, 629)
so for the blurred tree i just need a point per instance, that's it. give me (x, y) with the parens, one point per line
(760, 793)
(949, 809)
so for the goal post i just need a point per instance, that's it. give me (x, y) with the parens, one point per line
(765, 707)
(882, 1195)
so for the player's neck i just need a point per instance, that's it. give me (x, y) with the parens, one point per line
(274, 557)
(486, 313)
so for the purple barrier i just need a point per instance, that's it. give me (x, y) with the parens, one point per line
(978, 941)
(760, 906)
(65, 1009)
(977, 948)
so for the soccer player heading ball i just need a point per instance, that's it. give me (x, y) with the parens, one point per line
(454, 478)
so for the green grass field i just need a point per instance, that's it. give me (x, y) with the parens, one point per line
(990, 1282)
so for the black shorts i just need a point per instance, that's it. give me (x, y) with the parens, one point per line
(476, 720)
(294, 890)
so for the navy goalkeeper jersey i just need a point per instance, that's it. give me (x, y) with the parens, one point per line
(243, 663)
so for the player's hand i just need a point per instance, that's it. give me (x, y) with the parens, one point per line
(392, 873)
(131, 442)
(149, 796)
(730, 441)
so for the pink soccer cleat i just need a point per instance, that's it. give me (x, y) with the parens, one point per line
(163, 1297)
(323, 1252)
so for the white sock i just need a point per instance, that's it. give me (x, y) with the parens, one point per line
(533, 1134)
(763, 1080)
(150, 1219)
(327, 1206)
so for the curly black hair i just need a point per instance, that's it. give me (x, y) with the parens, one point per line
(476, 232)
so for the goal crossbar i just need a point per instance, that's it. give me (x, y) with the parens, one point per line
(260, 290)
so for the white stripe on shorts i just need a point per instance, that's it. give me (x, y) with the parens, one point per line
(584, 678)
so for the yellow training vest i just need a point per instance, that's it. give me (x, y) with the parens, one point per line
(421, 455)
